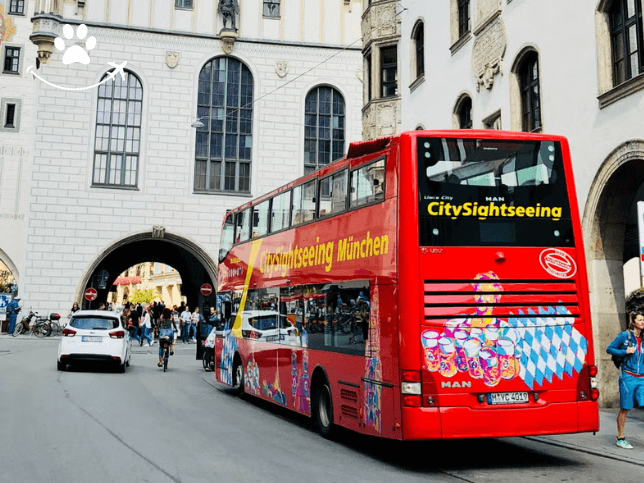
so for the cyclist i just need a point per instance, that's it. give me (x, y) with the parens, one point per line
(167, 328)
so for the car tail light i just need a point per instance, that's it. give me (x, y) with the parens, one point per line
(69, 333)
(116, 359)
(117, 334)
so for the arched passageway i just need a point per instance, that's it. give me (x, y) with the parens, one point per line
(610, 226)
(193, 264)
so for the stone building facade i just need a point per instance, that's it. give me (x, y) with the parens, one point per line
(116, 174)
(521, 65)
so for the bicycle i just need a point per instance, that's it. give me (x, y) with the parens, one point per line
(165, 342)
(39, 327)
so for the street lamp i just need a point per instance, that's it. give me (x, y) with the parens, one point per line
(198, 124)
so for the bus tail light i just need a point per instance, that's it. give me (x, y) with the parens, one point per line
(410, 388)
(594, 394)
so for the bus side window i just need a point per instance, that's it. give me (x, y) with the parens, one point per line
(333, 194)
(227, 237)
(296, 213)
(243, 226)
(280, 211)
(308, 202)
(260, 219)
(368, 184)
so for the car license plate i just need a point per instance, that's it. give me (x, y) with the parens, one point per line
(89, 338)
(507, 398)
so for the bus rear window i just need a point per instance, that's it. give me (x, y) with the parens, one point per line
(480, 192)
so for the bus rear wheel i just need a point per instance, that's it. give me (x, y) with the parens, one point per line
(238, 377)
(323, 410)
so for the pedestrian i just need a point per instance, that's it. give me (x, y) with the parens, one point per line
(102, 306)
(75, 308)
(628, 345)
(13, 308)
(136, 322)
(184, 319)
(194, 320)
(146, 328)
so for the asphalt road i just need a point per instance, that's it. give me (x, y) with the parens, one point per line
(94, 425)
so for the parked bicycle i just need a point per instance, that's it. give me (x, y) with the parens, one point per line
(56, 328)
(35, 324)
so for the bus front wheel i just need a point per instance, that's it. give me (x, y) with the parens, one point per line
(238, 377)
(323, 410)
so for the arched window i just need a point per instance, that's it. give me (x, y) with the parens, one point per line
(419, 48)
(224, 144)
(118, 131)
(626, 39)
(464, 113)
(323, 127)
(528, 75)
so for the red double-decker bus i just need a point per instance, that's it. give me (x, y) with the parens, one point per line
(428, 285)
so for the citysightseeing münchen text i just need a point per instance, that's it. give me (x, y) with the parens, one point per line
(441, 208)
(322, 254)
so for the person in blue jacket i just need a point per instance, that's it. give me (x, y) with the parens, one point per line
(628, 344)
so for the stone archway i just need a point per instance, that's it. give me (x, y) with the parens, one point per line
(606, 220)
(193, 263)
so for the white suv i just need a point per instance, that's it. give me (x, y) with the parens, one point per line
(266, 325)
(95, 335)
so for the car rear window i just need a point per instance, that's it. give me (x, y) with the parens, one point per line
(94, 323)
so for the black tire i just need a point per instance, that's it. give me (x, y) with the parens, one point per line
(61, 366)
(55, 328)
(323, 410)
(39, 331)
(238, 378)
(121, 368)
(17, 330)
(46, 329)
(166, 354)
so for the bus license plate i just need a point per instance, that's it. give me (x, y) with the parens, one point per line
(88, 338)
(507, 398)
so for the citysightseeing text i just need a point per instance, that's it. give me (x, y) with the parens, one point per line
(282, 260)
(441, 208)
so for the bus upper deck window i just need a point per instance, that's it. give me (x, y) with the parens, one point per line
(227, 237)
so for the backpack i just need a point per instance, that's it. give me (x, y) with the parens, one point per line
(619, 360)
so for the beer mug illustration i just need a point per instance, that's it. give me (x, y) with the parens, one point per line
(460, 336)
(513, 335)
(472, 347)
(490, 366)
(447, 357)
(491, 335)
(478, 333)
(450, 327)
(432, 352)
(507, 360)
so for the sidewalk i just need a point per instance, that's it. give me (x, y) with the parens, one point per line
(603, 443)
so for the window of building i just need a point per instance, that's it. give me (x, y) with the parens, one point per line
(17, 7)
(272, 8)
(626, 39)
(224, 145)
(11, 60)
(419, 47)
(118, 131)
(463, 17)
(10, 116)
(464, 113)
(389, 71)
(368, 76)
(323, 128)
(183, 3)
(493, 121)
(528, 75)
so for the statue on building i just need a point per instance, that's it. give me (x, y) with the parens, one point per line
(228, 10)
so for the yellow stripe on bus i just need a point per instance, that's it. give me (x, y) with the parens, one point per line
(254, 251)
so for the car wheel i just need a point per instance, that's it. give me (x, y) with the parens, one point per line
(323, 410)
(61, 366)
(121, 368)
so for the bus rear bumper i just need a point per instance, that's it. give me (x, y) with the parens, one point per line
(462, 422)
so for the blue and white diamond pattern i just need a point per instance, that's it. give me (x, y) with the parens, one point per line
(548, 347)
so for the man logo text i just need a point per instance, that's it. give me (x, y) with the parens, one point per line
(456, 384)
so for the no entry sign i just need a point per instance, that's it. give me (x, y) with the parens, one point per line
(206, 289)
(91, 294)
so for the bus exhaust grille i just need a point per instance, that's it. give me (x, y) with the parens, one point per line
(349, 395)
(465, 299)
(349, 411)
